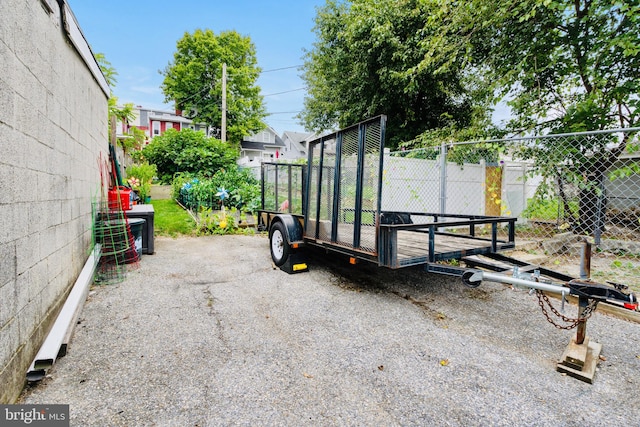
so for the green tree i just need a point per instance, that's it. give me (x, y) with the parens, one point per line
(563, 66)
(133, 142)
(121, 113)
(188, 151)
(368, 60)
(193, 81)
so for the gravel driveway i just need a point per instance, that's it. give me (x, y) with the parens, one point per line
(207, 332)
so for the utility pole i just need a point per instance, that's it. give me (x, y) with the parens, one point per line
(223, 136)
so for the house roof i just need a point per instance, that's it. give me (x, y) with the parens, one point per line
(248, 144)
(254, 146)
(297, 137)
(169, 118)
(261, 146)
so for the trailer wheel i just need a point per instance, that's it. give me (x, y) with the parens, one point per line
(280, 249)
(465, 279)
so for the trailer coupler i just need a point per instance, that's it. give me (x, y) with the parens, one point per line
(581, 356)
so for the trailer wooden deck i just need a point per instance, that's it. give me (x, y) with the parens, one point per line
(414, 247)
(445, 238)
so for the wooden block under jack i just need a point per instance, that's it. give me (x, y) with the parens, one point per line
(575, 355)
(580, 360)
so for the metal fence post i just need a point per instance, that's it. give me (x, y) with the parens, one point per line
(443, 178)
(600, 210)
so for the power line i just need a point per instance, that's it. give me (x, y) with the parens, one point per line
(284, 119)
(284, 112)
(189, 98)
(286, 91)
(283, 68)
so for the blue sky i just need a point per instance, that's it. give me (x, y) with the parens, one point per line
(139, 38)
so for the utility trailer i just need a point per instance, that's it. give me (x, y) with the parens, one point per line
(338, 201)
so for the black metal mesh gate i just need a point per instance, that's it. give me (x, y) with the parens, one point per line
(344, 184)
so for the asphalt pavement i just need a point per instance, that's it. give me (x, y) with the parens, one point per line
(206, 332)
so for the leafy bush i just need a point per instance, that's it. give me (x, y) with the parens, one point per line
(140, 177)
(200, 192)
(188, 151)
(546, 209)
(211, 222)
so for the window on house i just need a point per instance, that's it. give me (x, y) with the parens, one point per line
(156, 128)
(265, 136)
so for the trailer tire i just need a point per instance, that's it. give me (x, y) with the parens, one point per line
(466, 276)
(280, 249)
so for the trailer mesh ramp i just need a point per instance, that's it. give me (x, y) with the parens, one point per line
(346, 164)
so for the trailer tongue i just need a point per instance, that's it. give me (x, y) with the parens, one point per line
(581, 355)
(338, 202)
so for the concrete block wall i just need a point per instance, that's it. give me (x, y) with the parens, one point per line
(53, 131)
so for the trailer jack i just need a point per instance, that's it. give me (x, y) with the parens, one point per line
(581, 356)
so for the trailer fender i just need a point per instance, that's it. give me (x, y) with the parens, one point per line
(285, 234)
(292, 227)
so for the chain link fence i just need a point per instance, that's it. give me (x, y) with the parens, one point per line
(562, 188)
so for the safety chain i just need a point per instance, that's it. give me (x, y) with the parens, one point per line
(588, 311)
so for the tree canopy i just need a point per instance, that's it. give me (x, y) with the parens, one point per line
(563, 65)
(193, 81)
(369, 59)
